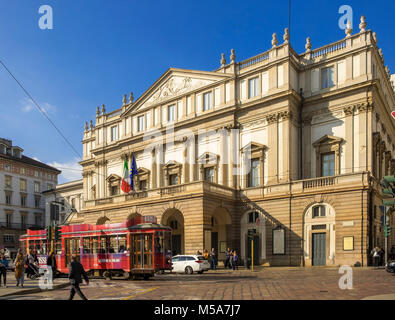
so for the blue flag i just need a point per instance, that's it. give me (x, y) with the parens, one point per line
(133, 172)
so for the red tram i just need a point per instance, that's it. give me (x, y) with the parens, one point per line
(136, 247)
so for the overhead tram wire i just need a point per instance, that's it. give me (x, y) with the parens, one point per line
(41, 110)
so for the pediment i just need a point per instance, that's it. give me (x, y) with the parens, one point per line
(113, 177)
(142, 171)
(208, 157)
(174, 83)
(253, 146)
(327, 140)
(171, 163)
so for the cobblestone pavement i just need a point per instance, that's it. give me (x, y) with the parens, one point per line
(266, 283)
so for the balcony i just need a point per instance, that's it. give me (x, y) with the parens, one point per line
(307, 186)
(201, 188)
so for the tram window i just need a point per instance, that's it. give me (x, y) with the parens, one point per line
(44, 247)
(103, 244)
(158, 242)
(31, 245)
(95, 245)
(167, 242)
(75, 246)
(122, 244)
(148, 242)
(87, 245)
(112, 248)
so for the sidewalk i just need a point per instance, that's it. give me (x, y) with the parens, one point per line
(30, 286)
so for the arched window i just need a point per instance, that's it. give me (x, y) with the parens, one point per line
(252, 216)
(319, 211)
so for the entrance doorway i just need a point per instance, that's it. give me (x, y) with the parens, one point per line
(256, 249)
(176, 244)
(319, 249)
(214, 242)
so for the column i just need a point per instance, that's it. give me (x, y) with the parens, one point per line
(286, 153)
(185, 163)
(349, 137)
(231, 179)
(272, 121)
(306, 148)
(192, 159)
(153, 170)
(222, 162)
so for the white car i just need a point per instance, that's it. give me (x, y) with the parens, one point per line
(190, 264)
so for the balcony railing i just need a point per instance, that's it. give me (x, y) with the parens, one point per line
(319, 182)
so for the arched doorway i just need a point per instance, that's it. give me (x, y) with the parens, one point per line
(102, 220)
(174, 219)
(319, 235)
(253, 220)
(217, 232)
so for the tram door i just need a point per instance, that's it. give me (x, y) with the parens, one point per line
(72, 247)
(142, 251)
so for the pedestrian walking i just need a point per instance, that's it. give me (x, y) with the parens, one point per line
(213, 259)
(235, 258)
(76, 273)
(227, 260)
(51, 263)
(375, 253)
(19, 263)
(382, 257)
(3, 269)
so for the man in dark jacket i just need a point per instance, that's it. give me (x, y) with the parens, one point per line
(51, 263)
(76, 272)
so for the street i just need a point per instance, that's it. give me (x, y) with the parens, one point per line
(286, 283)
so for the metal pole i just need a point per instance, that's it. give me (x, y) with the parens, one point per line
(252, 253)
(386, 235)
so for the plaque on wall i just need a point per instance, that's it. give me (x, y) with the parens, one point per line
(222, 247)
(348, 243)
(278, 241)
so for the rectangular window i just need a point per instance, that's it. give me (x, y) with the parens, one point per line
(209, 174)
(328, 164)
(140, 123)
(37, 219)
(8, 219)
(253, 175)
(8, 181)
(8, 198)
(8, 238)
(23, 200)
(114, 133)
(143, 184)
(23, 221)
(37, 202)
(252, 87)
(87, 245)
(327, 77)
(114, 190)
(23, 171)
(36, 174)
(319, 211)
(37, 187)
(7, 167)
(49, 186)
(22, 184)
(173, 179)
(171, 114)
(207, 101)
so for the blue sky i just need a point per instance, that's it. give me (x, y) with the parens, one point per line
(100, 49)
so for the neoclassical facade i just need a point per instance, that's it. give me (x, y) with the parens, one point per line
(290, 145)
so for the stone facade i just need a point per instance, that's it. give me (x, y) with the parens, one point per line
(315, 127)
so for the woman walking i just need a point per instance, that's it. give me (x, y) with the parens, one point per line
(20, 268)
(235, 258)
(3, 269)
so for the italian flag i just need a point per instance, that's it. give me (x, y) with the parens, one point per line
(125, 186)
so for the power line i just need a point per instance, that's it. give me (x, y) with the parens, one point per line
(41, 110)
